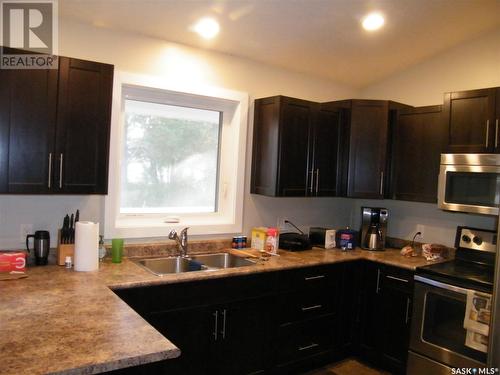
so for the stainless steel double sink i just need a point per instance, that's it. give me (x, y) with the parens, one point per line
(208, 262)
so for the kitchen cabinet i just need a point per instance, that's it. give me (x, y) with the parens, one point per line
(418, 138)
(83, 126)
(27, 117)
(384, 330)
(222, 326)
(472, 121)
(364, 174)
(276, 322)
(295, 148)
(54, 128)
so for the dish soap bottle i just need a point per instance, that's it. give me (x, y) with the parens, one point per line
(102, 249)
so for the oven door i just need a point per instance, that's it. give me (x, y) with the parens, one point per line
(469, 188)
(437, 324)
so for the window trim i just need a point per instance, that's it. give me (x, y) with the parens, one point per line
(229, 219)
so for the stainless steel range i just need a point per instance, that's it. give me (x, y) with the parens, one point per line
(439, 340)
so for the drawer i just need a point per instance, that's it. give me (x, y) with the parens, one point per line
(396, 278)
(296, 306)
(320, 277)
(300, 340)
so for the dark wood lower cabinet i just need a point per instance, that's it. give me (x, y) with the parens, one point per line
(386, 305)
(282, 322)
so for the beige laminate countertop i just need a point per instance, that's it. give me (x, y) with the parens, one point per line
(66, 322)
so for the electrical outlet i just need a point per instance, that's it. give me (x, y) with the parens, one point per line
(280, 223)
(24, 231)
(421, 229)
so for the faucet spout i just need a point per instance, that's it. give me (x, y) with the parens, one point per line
(182, 241)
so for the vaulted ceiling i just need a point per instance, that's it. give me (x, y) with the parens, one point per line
(318, 37)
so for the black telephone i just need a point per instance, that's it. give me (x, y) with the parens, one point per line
(293, 241)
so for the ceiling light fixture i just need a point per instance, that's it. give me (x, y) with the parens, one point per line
(373, 21)
(207, 28)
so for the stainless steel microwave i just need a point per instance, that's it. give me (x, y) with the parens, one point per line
(469, 183)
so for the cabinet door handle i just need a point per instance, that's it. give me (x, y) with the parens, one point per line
(49, 182)
(60, 171)
(397, 278)
(216, 323)
(496, 133)
(487, 132)
(378, 281)
(312, 181)
(381, 183)
(223, 332)
(407, 310)
(314, 277)
(313, 345)
(317, 181)
(309, 308)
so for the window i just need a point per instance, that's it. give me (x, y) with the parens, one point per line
(177, 159)
(171, 157)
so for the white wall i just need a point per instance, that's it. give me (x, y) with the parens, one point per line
(176, 63)
(470, 65)
(474, 64)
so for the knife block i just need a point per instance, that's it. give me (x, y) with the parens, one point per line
(64, 250)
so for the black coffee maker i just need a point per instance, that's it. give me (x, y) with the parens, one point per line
(41, 246)
(373, 227)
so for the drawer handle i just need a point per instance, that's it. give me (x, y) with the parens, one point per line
(309, 308)
(313, 345)
(314, 277)
(397, 278)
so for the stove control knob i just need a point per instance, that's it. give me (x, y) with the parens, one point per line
(477, 240)
(466, 238)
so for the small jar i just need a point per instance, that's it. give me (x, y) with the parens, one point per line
(68, 263)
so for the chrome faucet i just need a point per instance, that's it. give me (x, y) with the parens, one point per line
(182, 241)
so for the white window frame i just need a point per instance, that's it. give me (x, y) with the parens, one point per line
(229, 216)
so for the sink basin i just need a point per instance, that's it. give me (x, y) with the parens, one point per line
(163, 266)
(222, 260)
(209, 262)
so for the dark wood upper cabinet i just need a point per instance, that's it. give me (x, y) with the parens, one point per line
(419, 137)
(367, 148)
(27, 126)
(54, 128)
(497, 122)
(294, 148)
(83, 125)
(471, 120)
(326, 152)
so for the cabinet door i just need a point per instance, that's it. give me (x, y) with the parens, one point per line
(470, 116)
(244, 342)
(395, 320)
(368, 148)
(83, 126)
(325, 152)
(192, 331)
(27, 123)
(370, 329)
(418, 140)
(295, 178)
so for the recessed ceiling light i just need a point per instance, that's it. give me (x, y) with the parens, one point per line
(373, 21)
(207, 28)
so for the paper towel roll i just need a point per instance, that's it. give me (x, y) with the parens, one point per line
(86, 246)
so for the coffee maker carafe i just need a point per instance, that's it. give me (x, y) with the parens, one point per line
(373, 227)
(41, 246)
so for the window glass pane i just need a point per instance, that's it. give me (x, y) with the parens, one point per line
(170, 160)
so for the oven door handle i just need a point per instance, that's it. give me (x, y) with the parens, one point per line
(441, 285)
